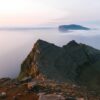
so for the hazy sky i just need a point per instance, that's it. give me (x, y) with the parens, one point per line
(37, 12)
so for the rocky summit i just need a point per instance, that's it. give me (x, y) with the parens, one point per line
(74, 62)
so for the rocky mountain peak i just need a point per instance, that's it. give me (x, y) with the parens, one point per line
(72, 43)
(42, 45)
(73, 62)
(41, 42)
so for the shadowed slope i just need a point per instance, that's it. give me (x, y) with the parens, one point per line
(73, 62)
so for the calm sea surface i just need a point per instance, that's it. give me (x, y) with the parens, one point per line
(16, 44)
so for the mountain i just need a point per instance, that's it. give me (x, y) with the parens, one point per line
(72, 27)
(74, 62)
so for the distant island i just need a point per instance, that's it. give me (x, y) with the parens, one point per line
(72, 27)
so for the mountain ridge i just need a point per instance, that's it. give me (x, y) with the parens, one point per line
(67, 63)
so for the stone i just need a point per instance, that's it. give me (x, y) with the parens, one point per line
(80, 98)
(15, 98)
(30, 85)
(50, 97)
(71, 98)
(3, 95)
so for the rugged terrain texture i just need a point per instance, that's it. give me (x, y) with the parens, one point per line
(43, 90)
(74, 62)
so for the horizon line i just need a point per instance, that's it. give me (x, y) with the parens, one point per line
(25, 28)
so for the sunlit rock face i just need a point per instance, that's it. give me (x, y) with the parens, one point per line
(74, 62)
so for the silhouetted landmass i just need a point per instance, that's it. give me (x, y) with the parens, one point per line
(74, 62)
(72, 27)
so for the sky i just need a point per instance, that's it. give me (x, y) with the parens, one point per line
(48, 12)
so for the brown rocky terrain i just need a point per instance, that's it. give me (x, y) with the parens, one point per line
(50, 72)
(37, 89)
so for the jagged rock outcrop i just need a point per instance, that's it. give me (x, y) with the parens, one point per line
(73, 62)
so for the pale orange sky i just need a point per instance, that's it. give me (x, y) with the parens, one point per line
(36, 12)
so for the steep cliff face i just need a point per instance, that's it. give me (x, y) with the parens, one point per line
(73, 62)
(40, 60)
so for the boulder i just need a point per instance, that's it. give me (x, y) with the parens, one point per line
(3, 95)
(50, 97)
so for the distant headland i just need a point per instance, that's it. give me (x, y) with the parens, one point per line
(72, 27)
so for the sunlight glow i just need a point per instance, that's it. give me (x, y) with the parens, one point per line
(29, 12)
(26, 12)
